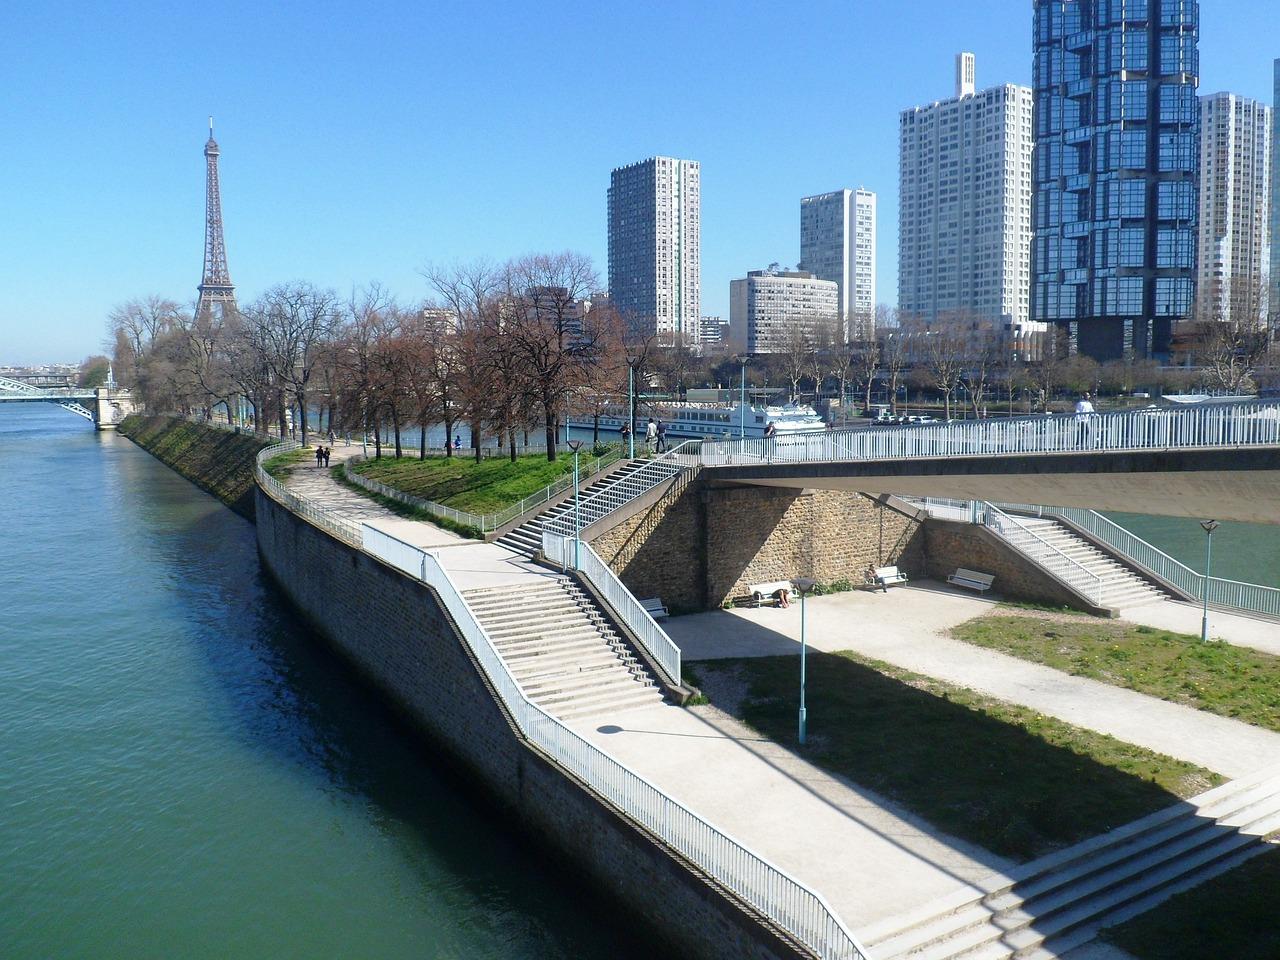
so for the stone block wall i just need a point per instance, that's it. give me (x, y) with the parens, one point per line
(703, 545)
(397, 635)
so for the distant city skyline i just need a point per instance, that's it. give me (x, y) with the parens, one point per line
(348, 174)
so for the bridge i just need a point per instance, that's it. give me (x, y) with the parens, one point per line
(104, 406)
(1220, 461)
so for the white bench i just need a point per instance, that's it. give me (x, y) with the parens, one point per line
(884, 577)
(760, 592)
(972, 579)
(654, 608)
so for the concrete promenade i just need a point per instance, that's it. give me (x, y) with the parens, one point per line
(907, 627)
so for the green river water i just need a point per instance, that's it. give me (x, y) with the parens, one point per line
(186, 773)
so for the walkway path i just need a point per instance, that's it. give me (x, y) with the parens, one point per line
(907, 627)
(1236, 628)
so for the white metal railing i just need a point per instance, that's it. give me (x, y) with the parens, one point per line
(484, 522)
(661, 648)
(777, 895)
(1228, 425)
(1045, 554)
(1250, 597)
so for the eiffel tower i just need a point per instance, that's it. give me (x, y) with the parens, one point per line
(216, 286)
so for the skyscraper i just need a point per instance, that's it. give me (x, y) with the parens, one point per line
(964, 217)
(654, 243)
(838, 243)
(1274, 239)
(1116, 127)
(1235, 187)
(768, 307)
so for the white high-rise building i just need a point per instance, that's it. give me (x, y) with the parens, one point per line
(654, 243)
(964, 221)
(838, 243)
(768, 307)
(1235, 172)
(1274, 239)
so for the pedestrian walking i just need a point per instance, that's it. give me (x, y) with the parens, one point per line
(319, 456)
(327, 452)
(457, 441)
(1084, 413)
(662, 437)
(650, 435)
(625, 432)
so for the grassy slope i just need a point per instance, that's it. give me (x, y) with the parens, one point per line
(216, 461)
(1233, 916)
(1217, 677)
(463, 484)
(1015, 782)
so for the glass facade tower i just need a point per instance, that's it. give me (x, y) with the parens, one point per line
(1115, 171)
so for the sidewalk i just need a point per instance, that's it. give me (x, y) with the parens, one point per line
(1235, 628)
(907, 627)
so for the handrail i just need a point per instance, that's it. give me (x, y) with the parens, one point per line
(345, 530)
(649, 634)
(1061, 565)
(484, 522)
(799, 910)
(1237, 425)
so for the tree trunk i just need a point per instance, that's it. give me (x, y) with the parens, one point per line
(302, 414)
(448, 435)
(511, 443)
(395, 426)
(475, 438)
(595, 430)
(550, 432)
(377, 439)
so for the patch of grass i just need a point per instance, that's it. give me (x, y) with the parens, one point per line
(689, 677)
(1040, 607)
(282, 464)
(485, 487)
(1013, 781)
(1216, 677)
(404, 510)
(1233, 915)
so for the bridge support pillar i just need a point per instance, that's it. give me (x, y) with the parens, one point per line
(110, 406)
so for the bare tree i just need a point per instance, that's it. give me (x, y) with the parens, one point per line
(297, 321)
(796, 356)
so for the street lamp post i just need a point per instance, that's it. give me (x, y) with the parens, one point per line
(575, 446)
(631, 409)
(804, 586)
(1209, 526)
(742, 399)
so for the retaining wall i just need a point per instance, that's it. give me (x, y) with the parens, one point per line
(398, 636)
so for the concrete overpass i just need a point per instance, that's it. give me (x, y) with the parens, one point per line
(1218, 462)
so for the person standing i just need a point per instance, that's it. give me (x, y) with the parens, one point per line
(319, 456)
(662, 437)
(650, 435)
(1084, 413)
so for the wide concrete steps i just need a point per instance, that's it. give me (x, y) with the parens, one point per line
(527, 537)
(1121, 587)
(561, 649)
(1056, 903)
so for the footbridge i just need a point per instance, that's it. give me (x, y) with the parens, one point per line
(104, 406)
(1219, 461)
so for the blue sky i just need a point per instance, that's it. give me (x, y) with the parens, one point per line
(361, 141)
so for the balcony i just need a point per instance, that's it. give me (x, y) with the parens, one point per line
(1080, 41)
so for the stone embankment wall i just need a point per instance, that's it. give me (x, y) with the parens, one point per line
(705, 545)
(217, 461)
(398, 636)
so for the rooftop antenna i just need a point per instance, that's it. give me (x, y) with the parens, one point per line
(211, 126)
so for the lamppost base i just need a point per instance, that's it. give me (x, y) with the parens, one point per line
(802, 724)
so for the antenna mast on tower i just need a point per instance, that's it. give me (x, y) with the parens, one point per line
(215, 286)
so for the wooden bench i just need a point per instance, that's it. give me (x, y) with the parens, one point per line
(760, 592)
(654, 608)
(972, 579)
(884, 577)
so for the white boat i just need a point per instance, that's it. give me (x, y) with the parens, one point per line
(710, 420)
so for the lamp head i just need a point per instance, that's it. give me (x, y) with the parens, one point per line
(804, 585)
(574, 445)
(1209, 525)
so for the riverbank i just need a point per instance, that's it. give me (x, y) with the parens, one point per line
(219, 462)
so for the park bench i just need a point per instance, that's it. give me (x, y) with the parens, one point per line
(760, 592)
(972, 579)
(884, 577)
(654, 608)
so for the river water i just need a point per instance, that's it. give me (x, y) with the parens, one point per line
(186, 772)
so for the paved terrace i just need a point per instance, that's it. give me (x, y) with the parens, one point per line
(869, 858)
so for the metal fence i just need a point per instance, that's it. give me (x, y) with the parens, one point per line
(1233, 425)
(790, 904)
(1045, 554)
(484, 522)
(342, 528)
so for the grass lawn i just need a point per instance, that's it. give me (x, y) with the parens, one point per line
(1233, 915)
(1217, 677)
(282, 464)
(461, 483)
(1004, 777)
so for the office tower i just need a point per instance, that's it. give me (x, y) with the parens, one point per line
(838, 243)
(1235, 175)
(769, 308)
(964, 216)
(1116, 128)
(1274, 239)
(712, 331)
(654, 231)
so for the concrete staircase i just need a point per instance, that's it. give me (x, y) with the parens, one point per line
(1121, 587)
(527, 537)
(1050, 906)
(561, 650)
